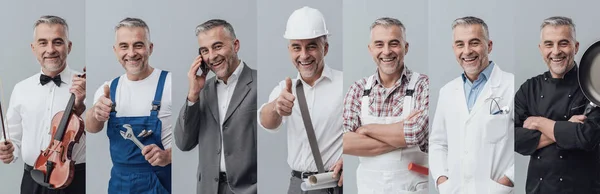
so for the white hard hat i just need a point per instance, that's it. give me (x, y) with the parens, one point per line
(305, 23)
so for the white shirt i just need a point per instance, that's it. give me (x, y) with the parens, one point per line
(30, 112)
(325, 104)
(134, 98)
(224, 94)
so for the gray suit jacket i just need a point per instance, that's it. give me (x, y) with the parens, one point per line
(199, 125)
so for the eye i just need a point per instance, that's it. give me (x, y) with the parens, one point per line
(459, 45)
(296, 48)
(378, 45)
(475, 43)
(123, 47)
(58, 43)
(394, 44)
(42, 43)
(204, 52)
(218, 47)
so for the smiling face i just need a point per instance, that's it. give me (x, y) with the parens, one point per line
(558, 48)
(133, 49)
(471, 49)
(388, 48)
(308, 57)
(219, 51)
(51, 47)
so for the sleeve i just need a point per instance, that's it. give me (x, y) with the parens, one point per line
(416, 131)
(274, 94)
(438, 142)
(14, 124)
(188, 124)
(352, 104)
(166, 110)
(510, 172)
(584, 136)
(526, 140)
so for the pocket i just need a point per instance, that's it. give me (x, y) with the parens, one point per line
(496, 127)
(497, 188)
(445, 187)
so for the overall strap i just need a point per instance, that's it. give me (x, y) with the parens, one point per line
(113, 92)
(364, 105)
(158, 94)
(408, 98)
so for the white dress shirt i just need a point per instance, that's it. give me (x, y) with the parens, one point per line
(134, 98)
(224, 94)
(325, 104)
(30, 112)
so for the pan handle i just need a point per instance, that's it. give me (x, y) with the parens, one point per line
(589, 108)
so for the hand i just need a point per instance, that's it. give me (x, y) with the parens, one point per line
(441, 180)
(6, 152)
(577, 118)
(362, 130)
(531, 123)
(156, 156)
(78, 88)
(103, 106)
(505, 181)
(196, 82)
(285, 102)
(336, 170)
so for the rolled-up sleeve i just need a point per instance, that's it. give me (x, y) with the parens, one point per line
(416, 130)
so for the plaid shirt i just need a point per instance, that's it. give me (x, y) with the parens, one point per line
(390, 104)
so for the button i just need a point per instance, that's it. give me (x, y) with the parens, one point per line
(569, 95)
(560, 179)
(545, 78)
(560, 157)
(538, 157)
(565, 116)
(540, 178)
(542, 96)
(216, 179)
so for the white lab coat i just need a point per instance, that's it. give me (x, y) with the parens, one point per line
(474, 149)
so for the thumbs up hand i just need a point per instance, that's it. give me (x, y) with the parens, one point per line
(285, 102)
(103, 106)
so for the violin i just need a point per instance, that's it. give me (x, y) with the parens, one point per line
(54, 167)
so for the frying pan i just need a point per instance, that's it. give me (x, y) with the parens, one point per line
(589, 76)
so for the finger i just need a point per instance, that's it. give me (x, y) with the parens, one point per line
(288, 85)
(155, 160)
(289, 97)
(413, 114)
(147, 149)
(106, 102)
(106, 91)
(195, 66)
(4, 157)
(286, 103)
(341, 181)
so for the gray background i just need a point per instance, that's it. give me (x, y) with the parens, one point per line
(172, 25)
(358, 63)
(275, 65)
(443, 67)
(528, 56)
(17, 61)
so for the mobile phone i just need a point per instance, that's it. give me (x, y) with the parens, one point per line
(203, 65)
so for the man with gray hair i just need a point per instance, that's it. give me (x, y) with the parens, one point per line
(34, 102)
(314, 124)
(387, 139)
(471, 142)
(550, 125)
(220, 113)
(136, 106)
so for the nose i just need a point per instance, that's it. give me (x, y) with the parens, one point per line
(212, 55)
(51, 49)
(555, 50)
(304, 54)
(467, 49)
(386, 50)
(130, 52)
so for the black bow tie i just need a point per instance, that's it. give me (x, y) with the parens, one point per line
(44, 79)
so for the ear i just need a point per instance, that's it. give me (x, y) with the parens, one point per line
(70, 45)
(151, 48)
(32, 48)
(490, 46)
(576, 47)
(236, 45)
(406, 48)
(115, 50)
(326, 49)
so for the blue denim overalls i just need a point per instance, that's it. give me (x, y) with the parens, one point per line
(131, 172)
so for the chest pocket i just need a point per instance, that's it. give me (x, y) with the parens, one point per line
(496, 127)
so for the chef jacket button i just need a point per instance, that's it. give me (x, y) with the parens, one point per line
(542, 96)
(560, 157)
(538, 157)
(540, 178)
(565, 116)
(545, 78)
(569, 95)
(560, 179)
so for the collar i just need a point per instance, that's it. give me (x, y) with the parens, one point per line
(327, 73)
(234, 76)
(405, 75)
(569, 76)
(485, 74)
(65, 75)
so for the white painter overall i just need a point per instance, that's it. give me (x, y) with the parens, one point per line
(388, 173)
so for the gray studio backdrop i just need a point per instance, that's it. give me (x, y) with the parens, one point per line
(358, 63)
(172, 25)
(443, 67)
(17, 62)
(528, 18)
(275, 66)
